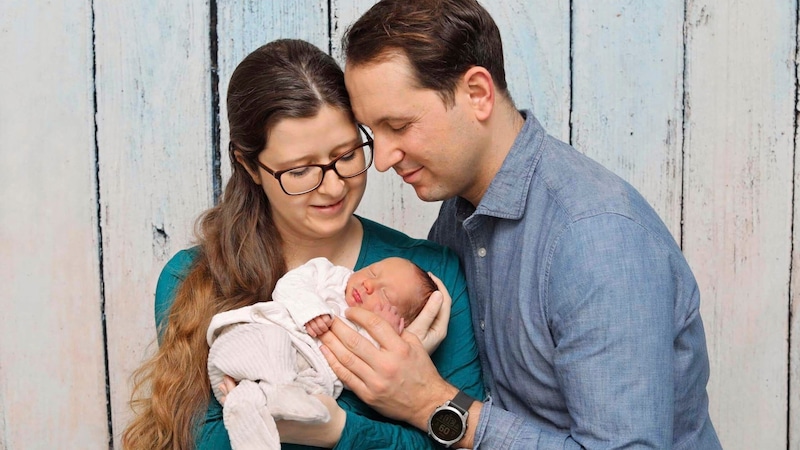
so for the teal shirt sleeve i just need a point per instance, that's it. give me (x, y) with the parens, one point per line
(456, 358)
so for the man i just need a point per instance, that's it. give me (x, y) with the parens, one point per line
(585, 311)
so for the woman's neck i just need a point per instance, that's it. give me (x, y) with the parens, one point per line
(342, 249)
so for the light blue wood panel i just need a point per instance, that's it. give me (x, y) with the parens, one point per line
(52, 373)
(628, 93)
(740, 118)
(154, 138)
(536, 37)
(536, 51)
(245, 25)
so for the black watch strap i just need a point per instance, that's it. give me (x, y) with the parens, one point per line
(462, 401)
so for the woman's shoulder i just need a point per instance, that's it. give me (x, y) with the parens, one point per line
(381, 242)
(180, 263)
(173, 273)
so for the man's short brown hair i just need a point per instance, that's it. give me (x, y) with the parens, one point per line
(442, 39)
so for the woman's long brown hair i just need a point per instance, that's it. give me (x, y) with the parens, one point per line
(240, 257)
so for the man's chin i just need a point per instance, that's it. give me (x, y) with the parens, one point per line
(426, 194)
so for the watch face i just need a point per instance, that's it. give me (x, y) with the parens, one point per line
(446, 425)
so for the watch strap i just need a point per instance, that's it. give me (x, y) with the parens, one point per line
(462, 401)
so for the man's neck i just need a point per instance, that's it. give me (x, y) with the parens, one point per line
(505, 126)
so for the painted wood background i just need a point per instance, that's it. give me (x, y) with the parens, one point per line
(112, 117)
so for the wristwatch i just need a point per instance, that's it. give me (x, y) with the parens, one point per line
(448, 423)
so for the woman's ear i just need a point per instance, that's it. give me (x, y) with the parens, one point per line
(480, 90)
(254, 174)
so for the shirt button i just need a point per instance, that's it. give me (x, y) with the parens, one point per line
(483, 325)
(481, 252)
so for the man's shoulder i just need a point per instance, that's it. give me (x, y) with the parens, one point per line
(581, 186)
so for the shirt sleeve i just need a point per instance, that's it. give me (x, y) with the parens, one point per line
(609, 301)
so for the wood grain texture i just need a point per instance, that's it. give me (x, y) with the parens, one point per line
(52, 372)
(536, 49)
(627, 95)
(740, 80)
(245, 25)
(154, 138)
(794, 290)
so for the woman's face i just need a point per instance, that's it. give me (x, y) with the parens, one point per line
(324, 212)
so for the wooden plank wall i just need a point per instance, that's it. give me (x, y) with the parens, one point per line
(113, 139)
(52, 369)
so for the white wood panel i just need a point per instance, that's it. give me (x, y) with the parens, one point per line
(794, 300)
(52, 372)
(154, 138)
(536, 49)
(245, 25)
(737, 233)
(628, 92)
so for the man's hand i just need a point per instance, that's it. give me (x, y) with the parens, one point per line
(398, 379)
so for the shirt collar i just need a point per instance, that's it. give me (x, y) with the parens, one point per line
(505, 198)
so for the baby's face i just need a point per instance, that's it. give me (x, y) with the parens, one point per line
(392, 280)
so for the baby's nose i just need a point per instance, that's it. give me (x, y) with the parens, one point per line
(368, 286)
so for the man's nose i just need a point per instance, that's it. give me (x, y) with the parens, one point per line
(387, 153)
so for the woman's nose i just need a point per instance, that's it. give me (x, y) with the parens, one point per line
(332, 184)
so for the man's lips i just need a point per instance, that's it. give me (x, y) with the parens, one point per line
(408, 175)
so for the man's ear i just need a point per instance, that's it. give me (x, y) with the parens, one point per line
(480, 88)
(254, 174)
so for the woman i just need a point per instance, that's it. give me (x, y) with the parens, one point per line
(299, 172)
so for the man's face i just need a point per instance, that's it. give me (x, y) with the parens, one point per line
(436, 148)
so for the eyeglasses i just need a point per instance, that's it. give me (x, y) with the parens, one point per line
(304, 179)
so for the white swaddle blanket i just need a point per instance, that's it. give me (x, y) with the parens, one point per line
(266, 347)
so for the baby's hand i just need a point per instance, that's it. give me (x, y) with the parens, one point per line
(319, 325)
(389, 313)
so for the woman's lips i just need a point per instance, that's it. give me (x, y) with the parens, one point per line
(332, 206)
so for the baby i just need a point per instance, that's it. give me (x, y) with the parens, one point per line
(258, 345)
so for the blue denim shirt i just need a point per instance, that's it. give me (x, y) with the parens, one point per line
(585, 311)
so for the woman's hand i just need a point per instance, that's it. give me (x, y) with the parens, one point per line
(430, 326)
(324, 435)
(228, 384)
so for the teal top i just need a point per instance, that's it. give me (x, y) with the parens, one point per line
(456, 358)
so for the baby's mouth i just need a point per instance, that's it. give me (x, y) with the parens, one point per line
(357, 296)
